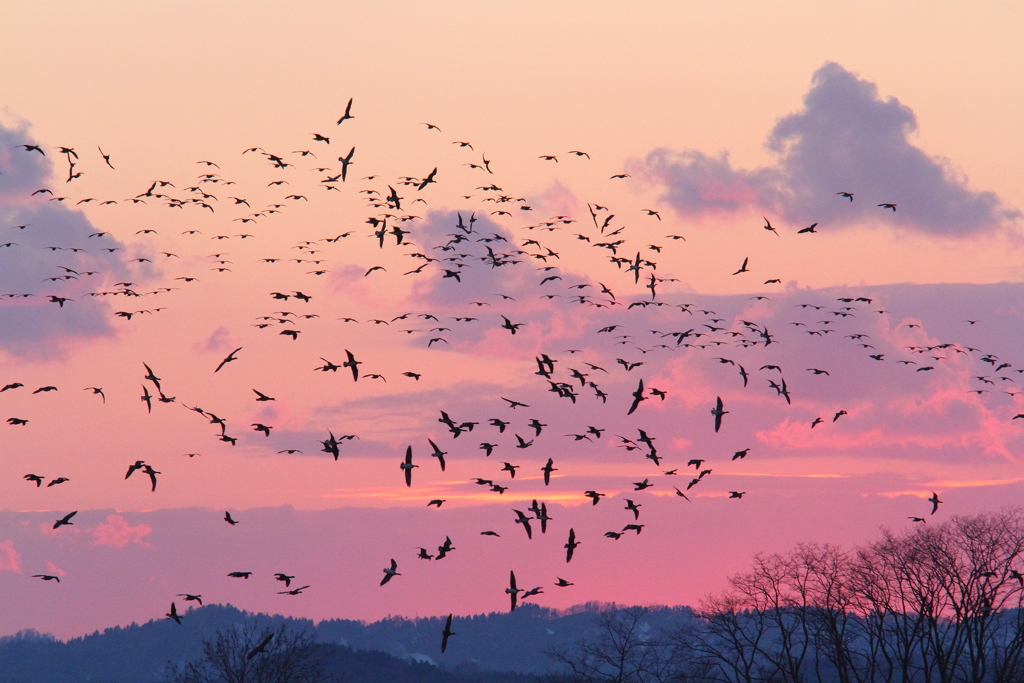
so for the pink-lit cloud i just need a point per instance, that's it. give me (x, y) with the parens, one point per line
(10, 560)
(118, 533)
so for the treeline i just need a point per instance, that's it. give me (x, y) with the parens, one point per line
(487, 647)
(150, 653)
(935, 604)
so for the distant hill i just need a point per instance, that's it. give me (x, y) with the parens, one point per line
(496, 647)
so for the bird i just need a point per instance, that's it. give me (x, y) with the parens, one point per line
(438, 453)
(229, 519)
(390, 572)
(263, 397)
(521, 518)
(34, 477)
(240, 575)
(718, 412)
(407, 466)
(509, 325)
(571, 545)
(446, 634)
(346, 161)
(152, 475)
(934, 500)
(46, 577)
(353, 364)
(285, 578)
(348, 112)
(638, 396)
(230, 357)
(261, 648)
(97, 390)
(743, 268)
(173, 614)
(547, 470)
(886, 205)
(65, 520)
(512, 590)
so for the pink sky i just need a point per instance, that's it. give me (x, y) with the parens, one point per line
(716, 120)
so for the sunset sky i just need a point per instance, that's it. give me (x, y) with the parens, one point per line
(720, 117)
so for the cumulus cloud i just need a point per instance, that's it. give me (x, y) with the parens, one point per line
(118, 533)
(846, 139)
(43, 238)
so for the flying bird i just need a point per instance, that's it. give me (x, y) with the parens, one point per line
(521, 518)
(261, 648)
(352, 363)
(512, 590)
(65, 520)
(438, 453)
(718, 412)
(390, 572)
(407, 466)
(231, 357)
(571, 545)
(173, 614)
(446, 634)
(348, 112)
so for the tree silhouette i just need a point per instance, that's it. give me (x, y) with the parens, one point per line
(233, 655)
(939, 603)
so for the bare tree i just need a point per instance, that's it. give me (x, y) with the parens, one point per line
(624, 650)
(252, 653)
(935, 604)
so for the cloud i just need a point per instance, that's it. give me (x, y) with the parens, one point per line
(116, 532)
(10, 560)
(51, 239)
(845, 139)
(53, 569)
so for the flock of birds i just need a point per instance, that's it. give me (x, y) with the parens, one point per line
(467, 248)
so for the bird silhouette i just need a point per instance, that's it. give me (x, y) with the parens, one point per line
(230, 357)
(65, 520)
(571, 545)
(718, 412)
(390, 572)
(173, 614)
(446, 634)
